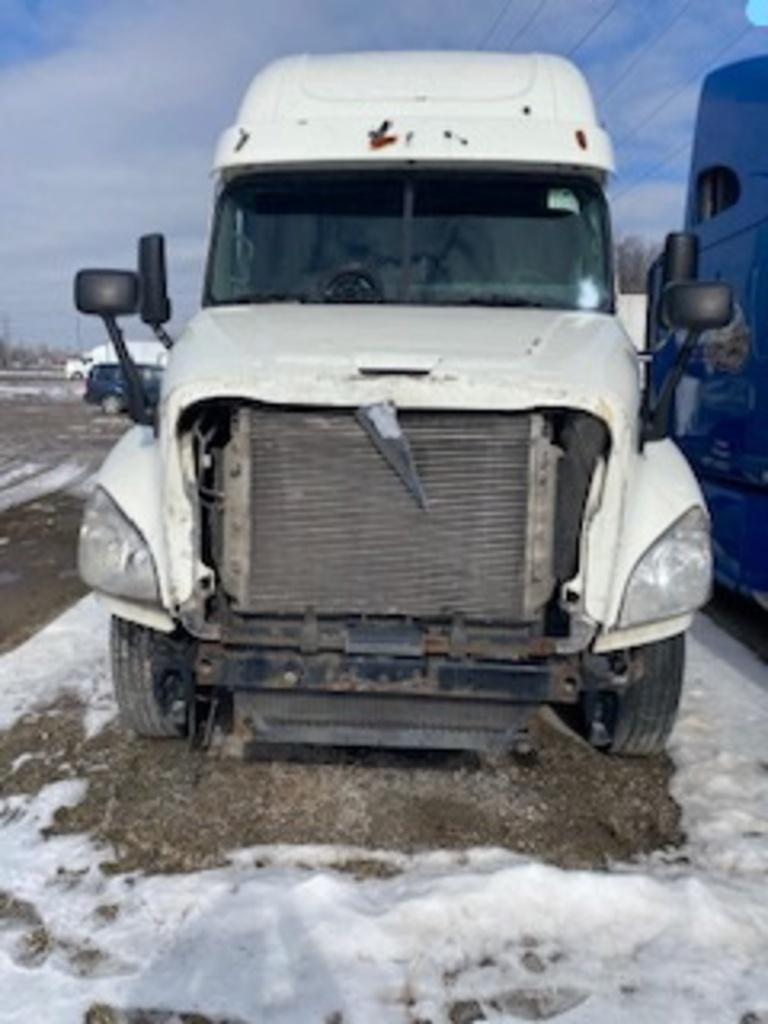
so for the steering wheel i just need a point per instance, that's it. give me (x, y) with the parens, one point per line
(353, 283)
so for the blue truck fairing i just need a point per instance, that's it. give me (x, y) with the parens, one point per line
(721, 413)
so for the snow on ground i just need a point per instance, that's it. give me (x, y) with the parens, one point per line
(24, 482)
(682, 937)
(57, 390)
(33, 374)
(721, 750)
(12, 471)
(68, 657)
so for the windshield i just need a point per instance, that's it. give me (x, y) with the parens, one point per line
(450, 239)
(151, 374)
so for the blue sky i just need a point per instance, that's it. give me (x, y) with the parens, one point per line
(109, 110)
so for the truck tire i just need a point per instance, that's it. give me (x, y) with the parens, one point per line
(640, 718)
(134, 650)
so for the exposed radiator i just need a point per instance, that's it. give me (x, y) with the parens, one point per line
(316, 518)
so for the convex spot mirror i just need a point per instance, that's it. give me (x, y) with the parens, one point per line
(697, 306)
(155, 308)
(107, 293)
(680, 261)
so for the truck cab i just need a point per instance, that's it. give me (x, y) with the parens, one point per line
(720, 418)
(397, 489)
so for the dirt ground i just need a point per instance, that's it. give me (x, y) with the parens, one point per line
(157, 806)
(38, 576)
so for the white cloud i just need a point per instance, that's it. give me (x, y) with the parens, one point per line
(113, 134)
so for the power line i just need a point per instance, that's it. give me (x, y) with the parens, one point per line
(629, 68)
(528, 23)
(679, 91)
(494, 25)
(639, 179)
(601, 20)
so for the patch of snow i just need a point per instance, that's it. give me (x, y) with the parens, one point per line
(23, 759)
(18, 471)
(55, 392)
(68, 657)
(36, 485)
(296, 941)
(720, 746)
(34, 374)
(85, 487)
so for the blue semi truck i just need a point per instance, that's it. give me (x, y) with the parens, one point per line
(720, 417)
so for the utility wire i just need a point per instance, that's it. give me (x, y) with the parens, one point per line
(641, 52)
(635, 182)
(681, 89)
(528, 23)
(638, 180)
(495, 25)
(601, 20)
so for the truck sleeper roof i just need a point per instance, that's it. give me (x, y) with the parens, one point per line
(438, 108)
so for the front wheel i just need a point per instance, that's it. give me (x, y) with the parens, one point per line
(636, 721)
(148, 693)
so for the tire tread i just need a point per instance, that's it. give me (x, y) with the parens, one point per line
(648, 708)
(131, 647)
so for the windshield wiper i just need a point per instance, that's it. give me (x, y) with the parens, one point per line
(265, 297)
(500, 300)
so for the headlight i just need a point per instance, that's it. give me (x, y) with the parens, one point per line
(674, 576)
(113, 556)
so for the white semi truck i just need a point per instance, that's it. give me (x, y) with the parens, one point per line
(403, 486)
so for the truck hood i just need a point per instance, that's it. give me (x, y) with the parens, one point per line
(414, 356)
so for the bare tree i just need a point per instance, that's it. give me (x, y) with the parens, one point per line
(28, 355)
(634, 255)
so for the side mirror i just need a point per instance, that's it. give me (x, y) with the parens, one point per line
(110, 294)
(107, 293)
(696, 306)
(681, 257)
(155, 304)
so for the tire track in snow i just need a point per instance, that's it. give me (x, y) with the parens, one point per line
(27, 482)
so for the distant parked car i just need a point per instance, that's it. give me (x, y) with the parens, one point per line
(77, 368)
(105, 386)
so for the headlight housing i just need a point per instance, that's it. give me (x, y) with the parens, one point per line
(113, 556)
(674, 576)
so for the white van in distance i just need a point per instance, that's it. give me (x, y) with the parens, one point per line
(148, 352)
(403, 486)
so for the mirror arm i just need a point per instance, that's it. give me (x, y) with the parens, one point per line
(655, 418)
(137, 399)
(162, 335)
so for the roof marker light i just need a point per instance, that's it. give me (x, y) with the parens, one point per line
(581, 138)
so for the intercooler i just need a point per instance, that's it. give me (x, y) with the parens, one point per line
(316, 519)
